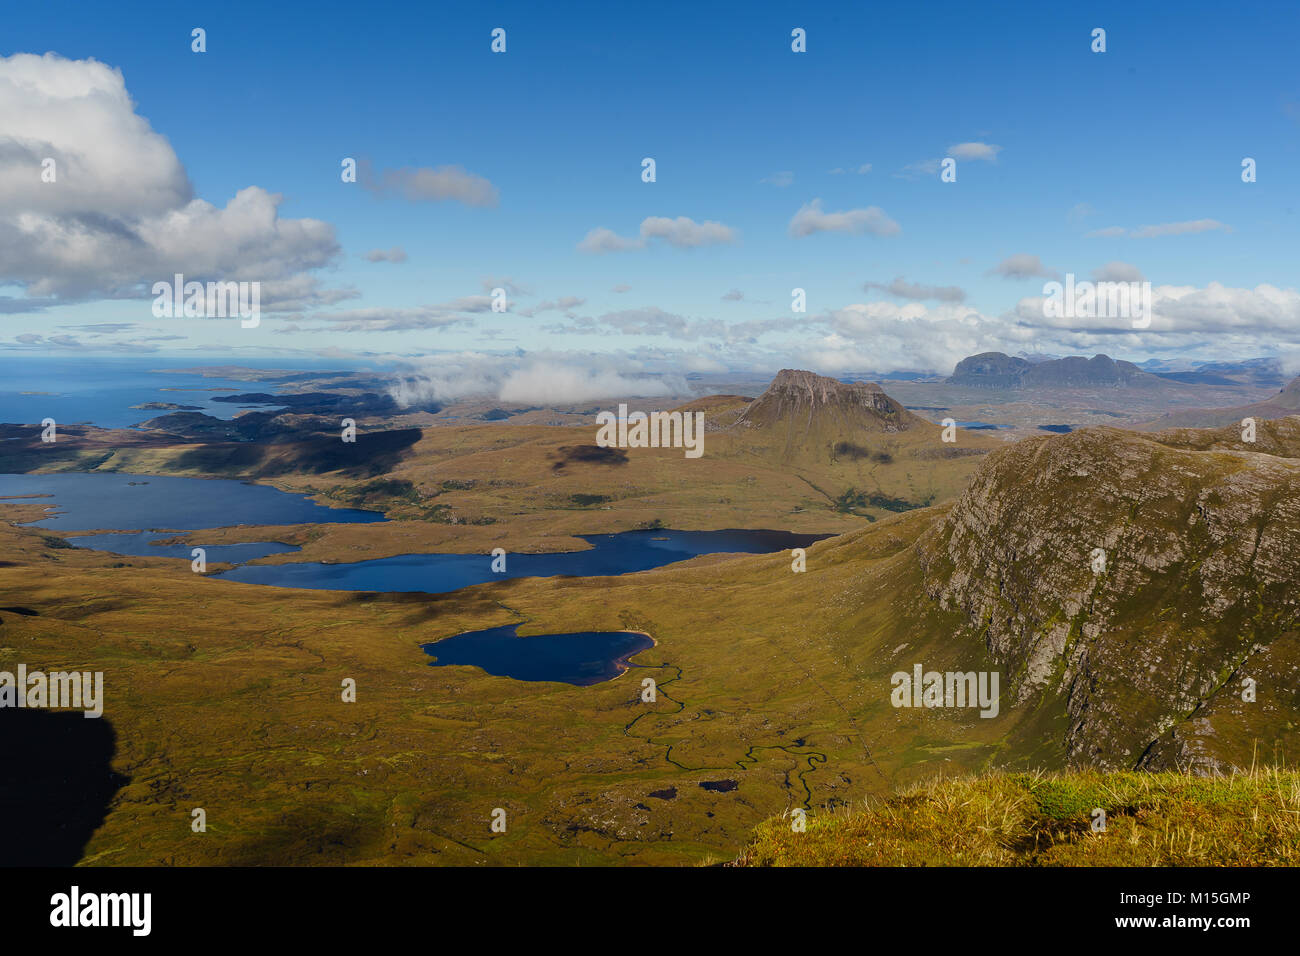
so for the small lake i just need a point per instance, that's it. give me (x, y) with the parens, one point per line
(582, 658)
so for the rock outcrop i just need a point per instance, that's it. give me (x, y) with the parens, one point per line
(1144, 582)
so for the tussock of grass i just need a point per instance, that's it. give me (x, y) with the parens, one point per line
(1152, 819)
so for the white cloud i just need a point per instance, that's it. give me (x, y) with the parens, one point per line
(911, 290)
(395, 254)
(782, 179)
(1187, 228)
(1180, 228)
(682, 232)
(811, 219)
(565, 303)
(429, 184)
(974, 151)
(1110, 232)
(1117, 272)
(1022, 266)
(542, 379)
(925, 167)
(601, 240)
(120, 214)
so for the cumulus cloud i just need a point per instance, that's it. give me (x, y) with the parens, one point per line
(889, 335)
(601, 240)
(395, 254)
(428, 184)
(909, 290)
(974, 151)
(685, 233)
(812, 219)
(121, 213)
(1251, 320)
(1117, 272)
(1022, 266)
(682, 233)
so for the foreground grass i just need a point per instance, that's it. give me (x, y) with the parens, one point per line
(1151, 819)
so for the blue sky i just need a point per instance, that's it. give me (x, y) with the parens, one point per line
(744, 132)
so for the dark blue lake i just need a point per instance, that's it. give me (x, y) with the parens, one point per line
(583, 658)
(611, 554)
(151, 507)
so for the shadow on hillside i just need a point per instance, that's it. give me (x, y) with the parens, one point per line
(588, 455)
(56, 783)
(374, 453)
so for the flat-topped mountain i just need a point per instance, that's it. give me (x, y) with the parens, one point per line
(800, 400)
(999, 370)
(804, 418)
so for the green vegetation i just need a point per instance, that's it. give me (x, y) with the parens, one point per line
(226, 695)
(850, 501)
(1151, 819)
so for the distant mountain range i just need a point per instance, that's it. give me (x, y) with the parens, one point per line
(1286, 402)
(998, 370)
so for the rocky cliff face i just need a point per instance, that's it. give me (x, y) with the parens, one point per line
(1148, 640)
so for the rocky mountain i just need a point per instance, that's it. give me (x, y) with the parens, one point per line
(1144, 588)
(802, 409)
(998, 370)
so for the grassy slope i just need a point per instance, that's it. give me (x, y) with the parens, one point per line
(776, 680)
(1165, 819)
(236, 707)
